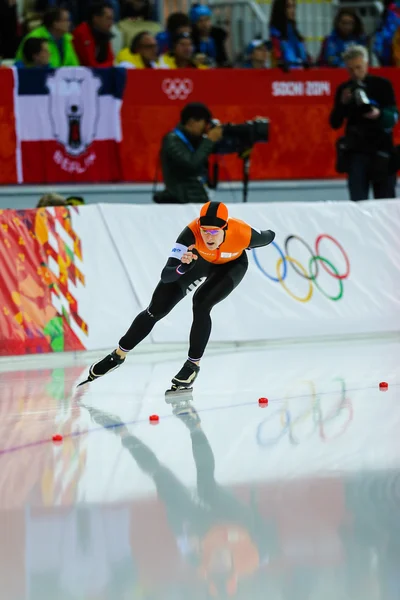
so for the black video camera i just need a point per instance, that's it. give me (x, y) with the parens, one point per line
(241, 138)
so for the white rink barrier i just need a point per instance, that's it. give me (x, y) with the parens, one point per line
(333, 269)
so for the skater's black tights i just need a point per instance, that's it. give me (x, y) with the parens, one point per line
(220, 282)
(165, 297)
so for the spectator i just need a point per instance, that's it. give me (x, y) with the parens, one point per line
(208, 40)
(92, 39)
(348, 30)
(200, 18)
(367, 105)
(177, 23)
(396, 49)
(56, 24)
(8, 28)
(184, 156)
(51, 200)
(383, 43)
(182, 54)
(71, 6)
(136, 9)
(78, 9)
(258, 54)
(136, 18)
(288, 47)
(36, 54)
(141, 55)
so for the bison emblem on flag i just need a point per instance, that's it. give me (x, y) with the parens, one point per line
(74, 107)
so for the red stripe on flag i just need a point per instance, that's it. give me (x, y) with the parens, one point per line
(48, 162)
(8, 163)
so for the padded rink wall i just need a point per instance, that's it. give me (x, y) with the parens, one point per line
(74, 278)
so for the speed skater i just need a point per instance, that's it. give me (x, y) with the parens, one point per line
(211, 247)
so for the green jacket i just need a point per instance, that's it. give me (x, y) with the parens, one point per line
(70, 57)
(183, 168)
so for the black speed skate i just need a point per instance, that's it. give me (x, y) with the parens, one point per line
(102, 367)
(183, 381)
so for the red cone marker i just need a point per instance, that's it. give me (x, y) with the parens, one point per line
(263, 402)
(154, 419)
(383, 386)
(57, 437)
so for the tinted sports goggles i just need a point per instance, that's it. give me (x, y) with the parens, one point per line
(211, 231)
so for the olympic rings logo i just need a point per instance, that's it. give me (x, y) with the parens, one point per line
(310, 274)
(177, 89)
(282, 422)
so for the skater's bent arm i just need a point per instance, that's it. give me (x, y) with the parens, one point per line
(261, 238)
(182, 156)
(174, 269)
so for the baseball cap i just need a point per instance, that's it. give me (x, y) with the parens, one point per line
(257, 44)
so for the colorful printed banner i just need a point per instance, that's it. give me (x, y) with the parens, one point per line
(59, 270)
(70, 126)
(74, 279)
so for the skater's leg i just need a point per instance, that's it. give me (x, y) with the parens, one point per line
(165, 297)
(222, 280)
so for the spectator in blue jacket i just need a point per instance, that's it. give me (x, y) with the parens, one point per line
(348, 30)
(200, 18)
(209, 40)
(288, 47)
(177, 23)
(383, 42)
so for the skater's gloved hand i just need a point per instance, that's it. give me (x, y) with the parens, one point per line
(188, 260)
(189, 256)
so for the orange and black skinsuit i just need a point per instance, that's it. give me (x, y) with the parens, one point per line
(223, 269)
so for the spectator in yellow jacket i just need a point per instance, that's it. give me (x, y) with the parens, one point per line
(142, 53)
(182, 55)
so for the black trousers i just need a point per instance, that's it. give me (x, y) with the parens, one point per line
(360, 179)
(220, 281)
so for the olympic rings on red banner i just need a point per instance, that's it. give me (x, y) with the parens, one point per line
(310, 274)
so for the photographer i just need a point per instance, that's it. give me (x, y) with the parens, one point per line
(184, 156)
(366, 153)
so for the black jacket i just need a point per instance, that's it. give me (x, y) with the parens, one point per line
(184, 166)
(367, 135)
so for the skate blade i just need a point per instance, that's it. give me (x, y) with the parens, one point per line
(88, 380)
(178, 392)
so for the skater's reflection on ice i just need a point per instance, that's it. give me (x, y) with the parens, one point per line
(225, 539)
